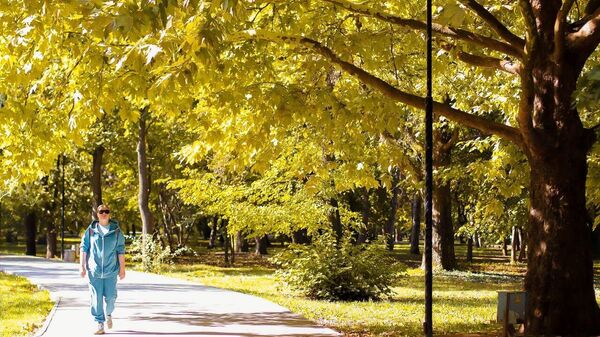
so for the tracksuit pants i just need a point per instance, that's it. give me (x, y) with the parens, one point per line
(102, 290)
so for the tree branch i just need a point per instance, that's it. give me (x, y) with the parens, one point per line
(456, 33)
(459, 116)
(585, 40)
(559, 29)
(487, 61)
(527, 84)
(452, 141)
(495, 24)
(490, 62)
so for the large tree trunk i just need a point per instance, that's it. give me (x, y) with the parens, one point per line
(390, 224)
(443, 232)
(97, 179)
(416, 224)
(30, 233)
(144, 179)
(559, 278)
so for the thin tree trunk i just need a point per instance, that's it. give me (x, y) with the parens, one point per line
(523, 247)
(213, 232)
(51, 234)
(514, 243)
(416, 224)
(391, 220)
(241, 244)
(226, 240)
(300, 237)
(504, 247)
(30, 233)
(470, 249)
(97, 179)
(366, 215)
(261, 245)
(334, 218)
(144, 179)
(477, 240)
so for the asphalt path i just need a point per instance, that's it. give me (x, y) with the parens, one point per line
(151, 305)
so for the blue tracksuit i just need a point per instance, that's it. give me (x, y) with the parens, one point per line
(102, 266)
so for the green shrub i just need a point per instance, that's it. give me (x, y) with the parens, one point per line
(150, 252)
(344, 271)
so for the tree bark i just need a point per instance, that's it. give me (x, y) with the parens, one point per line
(51, 233)
(30, 233)
(144, 179)
(213, 232)
(241, 244)
(504, 247)
(261, 245)
(514, 244)
(416, 224)
(559, 277)
(477, 240)
(470, 249)
(443, 232)
(300, 237)
(226, 243)
(97, 179)
(365, 210)
(523, 247)
(334, 219)
(390, 224)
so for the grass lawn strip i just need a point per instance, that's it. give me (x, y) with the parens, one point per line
(23, 307)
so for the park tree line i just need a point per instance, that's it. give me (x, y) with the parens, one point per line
(291, 117)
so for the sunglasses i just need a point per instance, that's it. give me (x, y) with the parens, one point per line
(104, 211)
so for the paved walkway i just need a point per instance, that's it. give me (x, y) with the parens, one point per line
(152, 305)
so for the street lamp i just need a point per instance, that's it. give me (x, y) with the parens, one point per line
(62, 211)
(428, 324)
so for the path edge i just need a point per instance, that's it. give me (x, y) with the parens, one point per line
(41, 330)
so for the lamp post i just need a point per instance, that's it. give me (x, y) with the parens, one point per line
(428, 324)
(62, 211)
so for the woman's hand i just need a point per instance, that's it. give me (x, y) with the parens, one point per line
(82, 271)
(121, 273)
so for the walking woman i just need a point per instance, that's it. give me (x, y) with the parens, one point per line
(103, 259)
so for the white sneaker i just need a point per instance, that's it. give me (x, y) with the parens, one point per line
(109, 321)
(100, 330)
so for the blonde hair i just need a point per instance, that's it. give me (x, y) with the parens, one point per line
(103, 206)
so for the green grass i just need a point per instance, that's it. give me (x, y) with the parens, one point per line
(23, 307)
(463, 302)
(40, 250)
